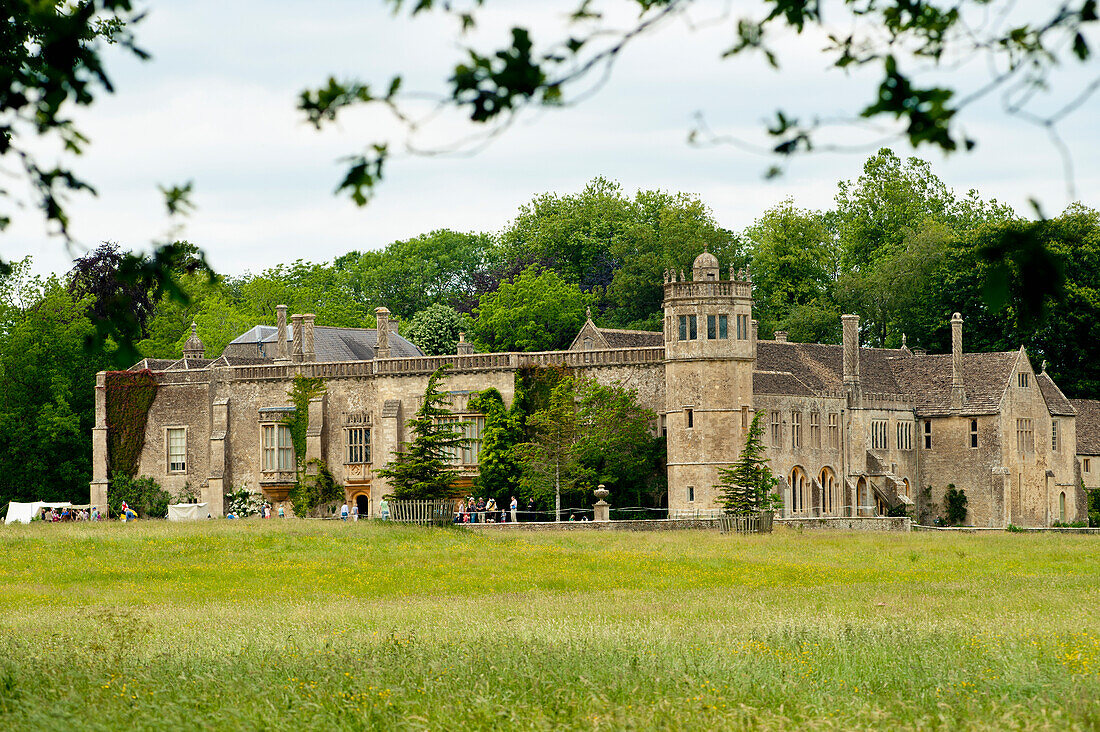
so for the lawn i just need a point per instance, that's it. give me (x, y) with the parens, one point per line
(292, 624)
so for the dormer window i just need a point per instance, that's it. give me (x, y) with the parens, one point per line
(589, 344)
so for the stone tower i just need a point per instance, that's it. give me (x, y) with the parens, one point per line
(708, 378)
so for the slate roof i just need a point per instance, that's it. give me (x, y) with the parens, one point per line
(153, 364)
(821, 366)
(619, 338)
(778, 382)
(926, 380)
(329, 344)
(1088, 425)
(1057, 404)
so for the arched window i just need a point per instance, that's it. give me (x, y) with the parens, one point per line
(800, 492)
(831, 502)
(905, 487)
(1062, 506)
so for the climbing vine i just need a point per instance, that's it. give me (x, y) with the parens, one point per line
(129, 396)
(302, 390)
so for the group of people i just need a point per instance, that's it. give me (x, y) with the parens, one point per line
(67, 514)
(475, 510)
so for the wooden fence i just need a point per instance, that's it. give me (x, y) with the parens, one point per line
(426, 513)
(756, 523)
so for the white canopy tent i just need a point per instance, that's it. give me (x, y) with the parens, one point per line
(187, 511)
(22, 513)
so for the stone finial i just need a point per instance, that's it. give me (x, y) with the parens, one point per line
(1044, 366)
(904, 344)
(958, 390)
(682, 277)
(748, 273)
(193, 347)
(588, 313)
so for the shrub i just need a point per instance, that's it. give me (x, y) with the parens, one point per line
(244, 502)
(955, 505)
(317, 489)
(144, 495)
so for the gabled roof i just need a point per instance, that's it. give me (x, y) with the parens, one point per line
(615, 337)
(927, 379)
(1088, 425)
(821, 366)
(1057, 404)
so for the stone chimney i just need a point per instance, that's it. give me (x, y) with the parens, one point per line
(755, 328)
(394, 322)
(382, 347)
(309, 353)
(958, 391)
(780, 336)
(464, 346)
(280, 335)
(296, 324)
(851, 352)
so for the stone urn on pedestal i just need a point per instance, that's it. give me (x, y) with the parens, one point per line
(601, 509)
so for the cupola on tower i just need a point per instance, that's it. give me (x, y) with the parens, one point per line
(708, 376)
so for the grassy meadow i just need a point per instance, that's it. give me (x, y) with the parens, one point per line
(324, 625)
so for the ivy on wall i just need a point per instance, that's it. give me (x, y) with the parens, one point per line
(302, 390)
(533, 385)
(129, 396)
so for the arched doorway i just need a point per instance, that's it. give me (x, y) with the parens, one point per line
(831, 501)
(362, 503)
(905, 487)
(800, 492)
(865, 505)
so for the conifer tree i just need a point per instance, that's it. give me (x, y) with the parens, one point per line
(747, 485)
(419, 471)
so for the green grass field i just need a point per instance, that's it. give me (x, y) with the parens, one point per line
(291, 625)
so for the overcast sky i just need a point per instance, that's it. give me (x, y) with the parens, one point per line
(216, 105)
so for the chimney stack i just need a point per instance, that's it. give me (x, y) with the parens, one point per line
(851, 352)
(780, 336)
(382, 328)
(464, 346)
(296, 324)
(280, 335)
(308, 351)
(958, 391)
(755, 327)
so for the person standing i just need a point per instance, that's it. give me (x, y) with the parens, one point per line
(514, 508)
(355, 512)
(344, 512)
(282, 513)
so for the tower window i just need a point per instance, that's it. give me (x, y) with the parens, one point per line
(689, 417)
(712, 327)
(689, 328)
(973, 433)
(723, 328)
(691, 494)
(1054, 442)
(927, 434)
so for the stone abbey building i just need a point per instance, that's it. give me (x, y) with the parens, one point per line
(852, 431)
